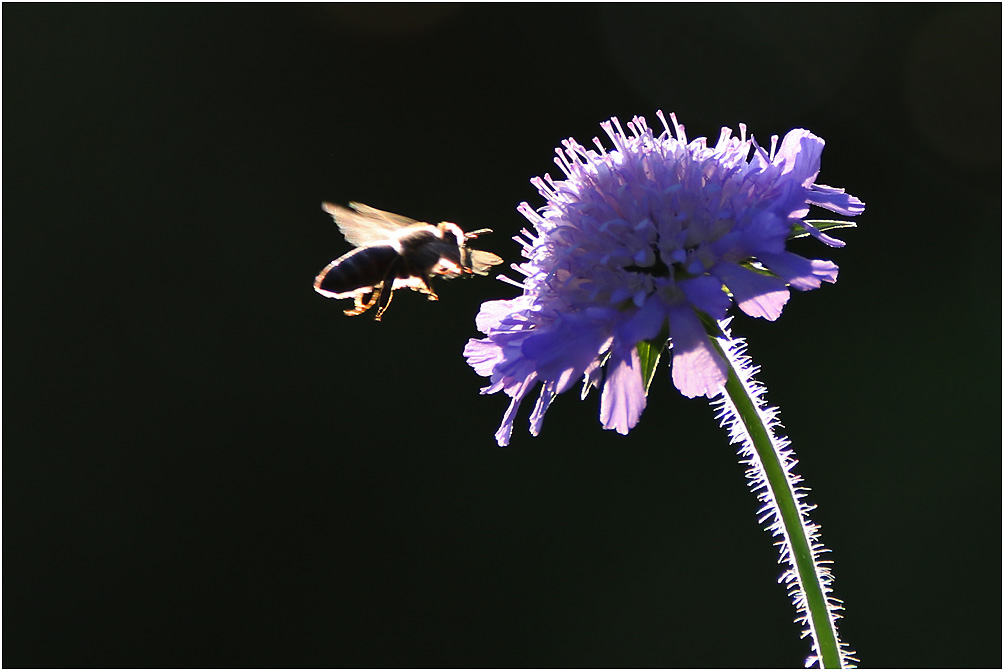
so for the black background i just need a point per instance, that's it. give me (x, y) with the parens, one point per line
(207, 464)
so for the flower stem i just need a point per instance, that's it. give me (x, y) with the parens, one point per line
(770, 462)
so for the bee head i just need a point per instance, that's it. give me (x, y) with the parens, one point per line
(450, 253)
(451, 233)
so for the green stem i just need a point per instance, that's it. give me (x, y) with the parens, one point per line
(790, 516)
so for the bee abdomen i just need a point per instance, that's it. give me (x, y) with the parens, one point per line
(360, 268)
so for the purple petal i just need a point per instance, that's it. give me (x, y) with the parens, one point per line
(705, 293)
(698, 370)
(800, 150)
(563, 351)
(492, 313)
(510, 373)
(801, 273)
(834, 199)
(822, 237)
(547, 394)
(592, 378)
(505, 428)
(766, 232)
(645, 324)
(623, 397)
(482, 356)
(757, 295)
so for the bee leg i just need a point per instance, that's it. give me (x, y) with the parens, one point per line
(427, 289)
(384, 304)
(363, 307)
(387, 289)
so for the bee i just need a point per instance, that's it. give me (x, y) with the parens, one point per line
(393, 252)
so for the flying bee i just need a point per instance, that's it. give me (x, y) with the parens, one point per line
(394, 252)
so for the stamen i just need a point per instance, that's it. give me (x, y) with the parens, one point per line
(528, 212)
(520, 269)
(681, 135)
(760, 150)
(616, 136)
(723, 139)
(617, 124)
(562, 162)
(543, 188)
(563, 165)
(662, 118)
(509, 280)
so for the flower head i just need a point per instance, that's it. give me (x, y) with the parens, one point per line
(642, 241)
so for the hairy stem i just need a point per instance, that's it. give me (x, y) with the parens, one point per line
(770, 460)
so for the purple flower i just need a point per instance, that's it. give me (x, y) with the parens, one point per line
(642, 241)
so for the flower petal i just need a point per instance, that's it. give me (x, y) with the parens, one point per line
(482, 355)
(645, 323)
(547, 394)
(698, 370)
(822, 237)
(801, 273)
(835, 199)
(623, 397)
(565, 349)
(757, 295)
(492, 313)
(705, 293)
(505, 428)
(800, 151)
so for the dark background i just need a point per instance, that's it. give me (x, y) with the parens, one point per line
(207, 464)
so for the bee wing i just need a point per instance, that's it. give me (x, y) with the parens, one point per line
(481, 262)
(364, 225)
(389, 217)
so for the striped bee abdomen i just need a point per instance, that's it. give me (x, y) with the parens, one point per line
(362, 267)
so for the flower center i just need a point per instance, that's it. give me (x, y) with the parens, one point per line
(657, 269)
